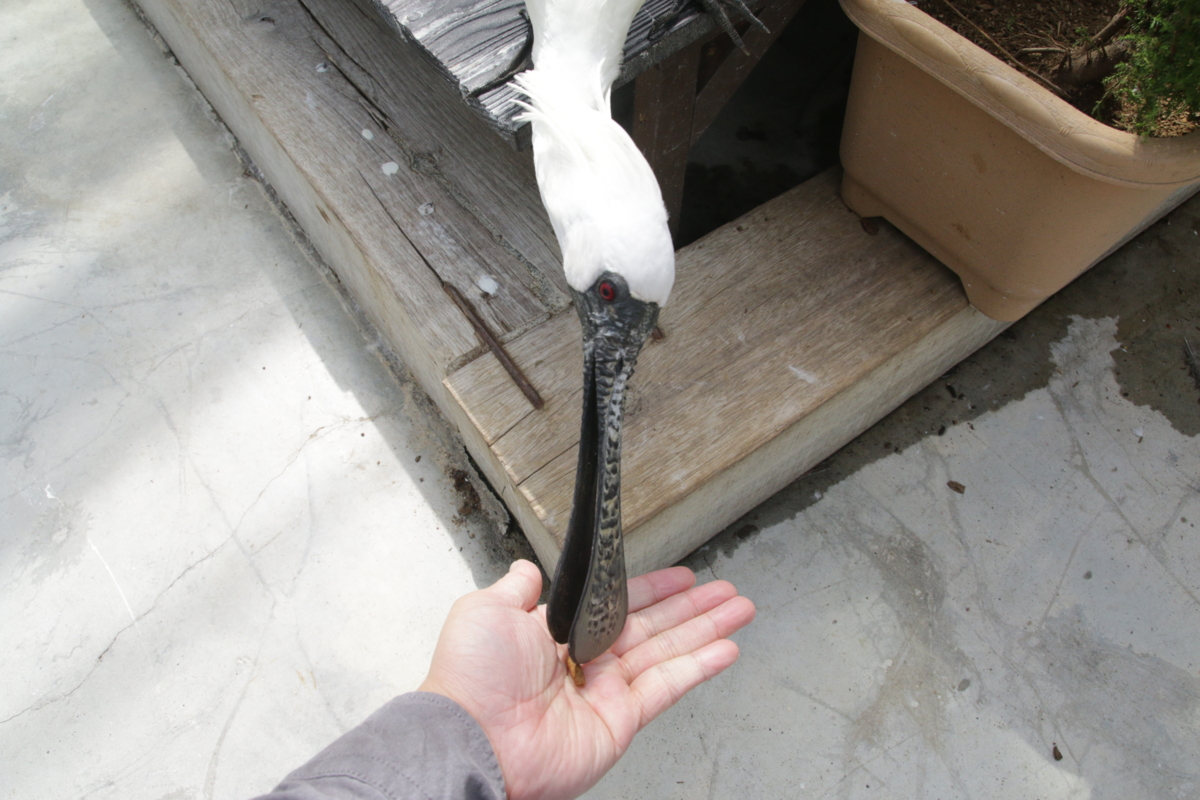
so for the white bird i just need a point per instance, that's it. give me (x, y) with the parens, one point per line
(607, 211)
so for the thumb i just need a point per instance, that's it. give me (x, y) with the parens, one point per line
(520, 588)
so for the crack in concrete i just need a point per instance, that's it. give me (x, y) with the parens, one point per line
(1153, 547)
(210, 777)
(134, 620)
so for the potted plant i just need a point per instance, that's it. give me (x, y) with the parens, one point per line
(1001, 180)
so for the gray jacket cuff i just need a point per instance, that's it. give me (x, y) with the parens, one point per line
(419, 746)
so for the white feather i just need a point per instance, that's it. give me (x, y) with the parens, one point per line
(602, 197)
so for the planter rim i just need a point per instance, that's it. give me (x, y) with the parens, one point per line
(1051, 124)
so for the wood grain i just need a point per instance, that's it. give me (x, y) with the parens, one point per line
(679, 529)
(288, 105)
(444, 141)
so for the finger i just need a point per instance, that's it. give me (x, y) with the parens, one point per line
(653, 587)
(714, 625)
(673, 611)
(657, 689)
(519, 588)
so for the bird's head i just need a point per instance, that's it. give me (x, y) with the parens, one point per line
(619, 261)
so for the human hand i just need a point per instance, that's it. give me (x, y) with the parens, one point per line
(496, 659)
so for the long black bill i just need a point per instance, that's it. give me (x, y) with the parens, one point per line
(588, 597)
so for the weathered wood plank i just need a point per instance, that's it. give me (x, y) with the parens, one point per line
(263, 87)
(828, 304)
(773, 318)
(477, 44)
(476, 41)
(404, 195)
(680, 529)
(259, 84)
(551, 356)
(443, 140)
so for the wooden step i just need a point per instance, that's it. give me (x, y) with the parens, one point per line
(789, 331)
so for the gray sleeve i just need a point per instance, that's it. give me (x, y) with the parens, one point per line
(418, 746)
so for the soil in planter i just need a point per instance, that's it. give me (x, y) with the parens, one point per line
(1033, 38)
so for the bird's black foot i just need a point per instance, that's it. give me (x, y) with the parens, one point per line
(720, 10)
(661, 24)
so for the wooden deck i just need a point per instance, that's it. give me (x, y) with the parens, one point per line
(789, 332)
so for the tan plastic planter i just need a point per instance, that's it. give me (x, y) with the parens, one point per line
(1003, 182)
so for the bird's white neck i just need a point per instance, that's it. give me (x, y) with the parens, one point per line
(602, 197)
(581, 40)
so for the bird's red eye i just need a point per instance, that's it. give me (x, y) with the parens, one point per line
(608, 292)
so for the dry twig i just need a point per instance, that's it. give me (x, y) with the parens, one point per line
(1109, 30)
(1095, 58)
(1015, 61)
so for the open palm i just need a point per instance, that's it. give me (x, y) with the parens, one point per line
(496, 659)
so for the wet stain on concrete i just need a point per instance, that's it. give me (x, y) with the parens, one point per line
(1155, 294)
(928, 662)
(1103, 691)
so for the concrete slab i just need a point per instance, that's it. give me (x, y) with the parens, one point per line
(219, 548)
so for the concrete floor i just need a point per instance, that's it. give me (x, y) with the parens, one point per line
(228, 531)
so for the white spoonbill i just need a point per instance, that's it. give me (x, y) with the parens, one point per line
(608, 214)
